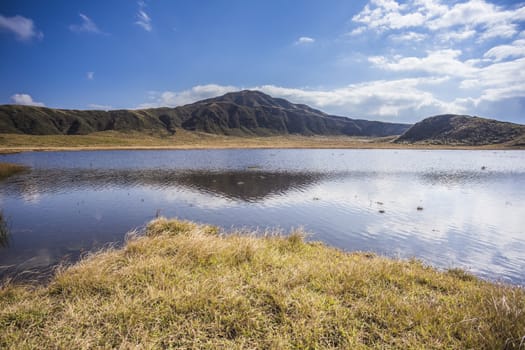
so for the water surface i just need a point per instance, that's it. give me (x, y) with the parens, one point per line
(471, 203)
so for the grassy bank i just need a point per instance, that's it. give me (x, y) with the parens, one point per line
(9, 169)
(182, 285)
(195, 140)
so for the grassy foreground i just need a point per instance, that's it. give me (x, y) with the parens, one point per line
(181, 285)
(197, 140)
(9, 169)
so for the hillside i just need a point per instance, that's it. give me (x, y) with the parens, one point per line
(244, 113)
(451, 129)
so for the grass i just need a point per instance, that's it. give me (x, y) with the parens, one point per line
(197, 140)
(182, 285)
(4, 231)
(9, 169)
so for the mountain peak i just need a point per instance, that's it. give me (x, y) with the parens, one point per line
(251, 98)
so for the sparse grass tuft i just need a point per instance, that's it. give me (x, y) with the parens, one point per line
(163, 226)
(9, 169)
(4, 231)
(181, 285)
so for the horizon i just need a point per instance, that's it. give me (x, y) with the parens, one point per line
(385, 60)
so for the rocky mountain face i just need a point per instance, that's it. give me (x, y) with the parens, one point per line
(452, 129)
(244, 113)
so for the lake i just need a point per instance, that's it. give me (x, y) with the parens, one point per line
(448, 208)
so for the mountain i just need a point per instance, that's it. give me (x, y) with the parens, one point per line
(463, 130)
(243, 113)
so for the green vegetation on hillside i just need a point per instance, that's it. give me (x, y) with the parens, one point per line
(182, 285)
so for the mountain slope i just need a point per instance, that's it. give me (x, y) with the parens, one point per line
(463, 130)
(241, 113)
(48, 121)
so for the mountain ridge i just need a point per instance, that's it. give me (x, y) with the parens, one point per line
(253, 113)
(243, 113)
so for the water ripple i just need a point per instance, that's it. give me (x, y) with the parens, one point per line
(451, 209)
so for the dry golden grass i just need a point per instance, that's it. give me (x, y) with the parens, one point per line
(9, 169)
(182, 285)
(197, 140)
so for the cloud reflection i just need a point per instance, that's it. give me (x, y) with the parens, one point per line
(469, 217)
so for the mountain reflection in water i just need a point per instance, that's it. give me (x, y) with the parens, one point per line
(450, 209)
(249, 186)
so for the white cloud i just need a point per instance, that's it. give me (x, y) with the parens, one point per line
(503, 30)
(90, 75)
(441, 62)
(499, 80)
(87, 25)
(357, 31)
(489, 18)
(408, 36)
(458, 21)
(383, 15)
(492, 80)
(23, 28)
(196, 93)
(458, 35)
(101, 107)
(143, 19)
(304, 40)
(501, 52)
(377, 99)
(25, 99)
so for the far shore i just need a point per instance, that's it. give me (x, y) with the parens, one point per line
(184, 140)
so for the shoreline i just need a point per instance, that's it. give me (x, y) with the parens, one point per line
(15, 143)
(11, 150)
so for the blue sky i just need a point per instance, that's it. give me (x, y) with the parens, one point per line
(379, 59)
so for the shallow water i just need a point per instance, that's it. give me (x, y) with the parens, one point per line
(471, 203)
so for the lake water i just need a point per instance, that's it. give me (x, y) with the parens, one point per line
(471, 203)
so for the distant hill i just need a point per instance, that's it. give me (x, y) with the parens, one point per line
(452, 129)
(243, 113)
